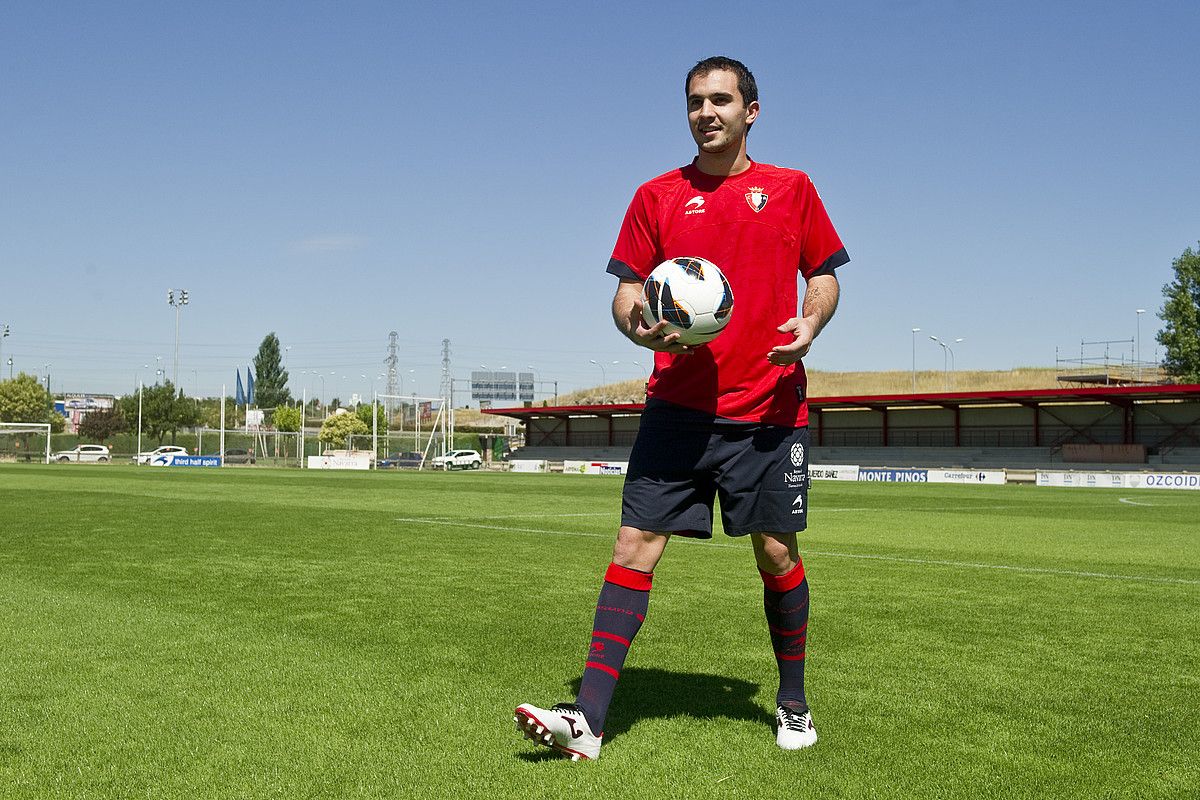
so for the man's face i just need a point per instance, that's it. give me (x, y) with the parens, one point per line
(717, 114)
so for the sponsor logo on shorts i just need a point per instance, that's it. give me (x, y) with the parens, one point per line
(798, 504)
(797, 454)
(795, 478)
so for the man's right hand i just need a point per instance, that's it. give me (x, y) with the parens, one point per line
(656, 338)
(634, 327)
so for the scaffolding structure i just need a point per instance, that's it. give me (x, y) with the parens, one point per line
(1107, 363)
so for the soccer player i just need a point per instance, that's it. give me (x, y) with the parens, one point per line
(728, 419)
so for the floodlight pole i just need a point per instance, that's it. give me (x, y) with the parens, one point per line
(915, 331)
(178, 301)
(303, 403)
(945, 372)
(224, 391)
(1137, 355)
(951, 351)
(139, 439)
(603, 374)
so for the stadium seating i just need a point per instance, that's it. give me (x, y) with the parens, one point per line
(1012, 458)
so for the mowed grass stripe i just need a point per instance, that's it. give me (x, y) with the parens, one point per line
(264, 633)
(808, 552)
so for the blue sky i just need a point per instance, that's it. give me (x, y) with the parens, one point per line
(1019, 175)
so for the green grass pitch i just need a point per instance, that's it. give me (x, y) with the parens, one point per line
(260, 633)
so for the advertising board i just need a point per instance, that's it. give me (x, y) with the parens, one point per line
(179, 460)
(595, 467)
(873, 474)
(528, 465)
(833, 472)
(981, 476)
(341, 460)
(1120, 480)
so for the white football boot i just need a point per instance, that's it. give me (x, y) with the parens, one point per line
(793, 729)
(562, 728)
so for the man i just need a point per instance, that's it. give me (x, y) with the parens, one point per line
(725, 419)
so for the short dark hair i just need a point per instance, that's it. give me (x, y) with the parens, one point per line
(745, 78)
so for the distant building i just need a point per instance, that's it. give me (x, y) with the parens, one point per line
(74, 407)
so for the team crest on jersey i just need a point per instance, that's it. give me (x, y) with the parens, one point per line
(756, 198)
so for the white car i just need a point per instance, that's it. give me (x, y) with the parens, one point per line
(84, 454)
(458, 459)
(155, 454)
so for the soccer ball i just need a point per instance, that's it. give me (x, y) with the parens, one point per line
(692, 295)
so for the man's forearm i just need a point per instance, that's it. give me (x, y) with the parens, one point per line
(820, 301)
(624, 302)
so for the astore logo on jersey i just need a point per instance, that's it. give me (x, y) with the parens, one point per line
(696, 201)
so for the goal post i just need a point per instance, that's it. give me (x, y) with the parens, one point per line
(25, 441)
(440, 425)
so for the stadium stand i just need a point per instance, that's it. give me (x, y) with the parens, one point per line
(1017, 430)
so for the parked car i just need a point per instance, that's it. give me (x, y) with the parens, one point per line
(84, 454)
(165, 450)
(402, 459)
(458, 459)
(238, 455)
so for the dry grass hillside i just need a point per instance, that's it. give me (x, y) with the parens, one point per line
(841, 384)
(824, 384)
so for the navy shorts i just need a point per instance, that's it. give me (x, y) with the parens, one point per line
(683, 459)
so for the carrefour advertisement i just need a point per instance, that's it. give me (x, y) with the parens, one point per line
(984, 476)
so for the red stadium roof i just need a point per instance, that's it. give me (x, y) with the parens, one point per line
(1116, 395)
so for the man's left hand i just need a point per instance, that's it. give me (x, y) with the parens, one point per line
(805, 331)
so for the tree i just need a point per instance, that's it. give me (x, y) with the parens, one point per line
(163, 411)
(286, 418)
(24, 399)
(103, 424)
(337, 429)
(270, 378)
(363, 412)
(185, 414)
(1181, 313)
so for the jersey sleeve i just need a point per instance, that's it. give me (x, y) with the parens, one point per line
(636, 252)
(821, 249)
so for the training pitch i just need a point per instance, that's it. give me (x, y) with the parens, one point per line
(254, 633)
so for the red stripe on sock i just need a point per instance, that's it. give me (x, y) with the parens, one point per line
(629, 578)
(782, 632)
(603, 668)
(613, 636)
(782, 657)
(786, 582)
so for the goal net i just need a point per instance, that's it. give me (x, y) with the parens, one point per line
(429, 422)
(25, 441)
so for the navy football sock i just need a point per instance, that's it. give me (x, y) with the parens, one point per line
(785, 598)
(620, 611)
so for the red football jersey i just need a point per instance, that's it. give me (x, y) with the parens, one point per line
(760, 227)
